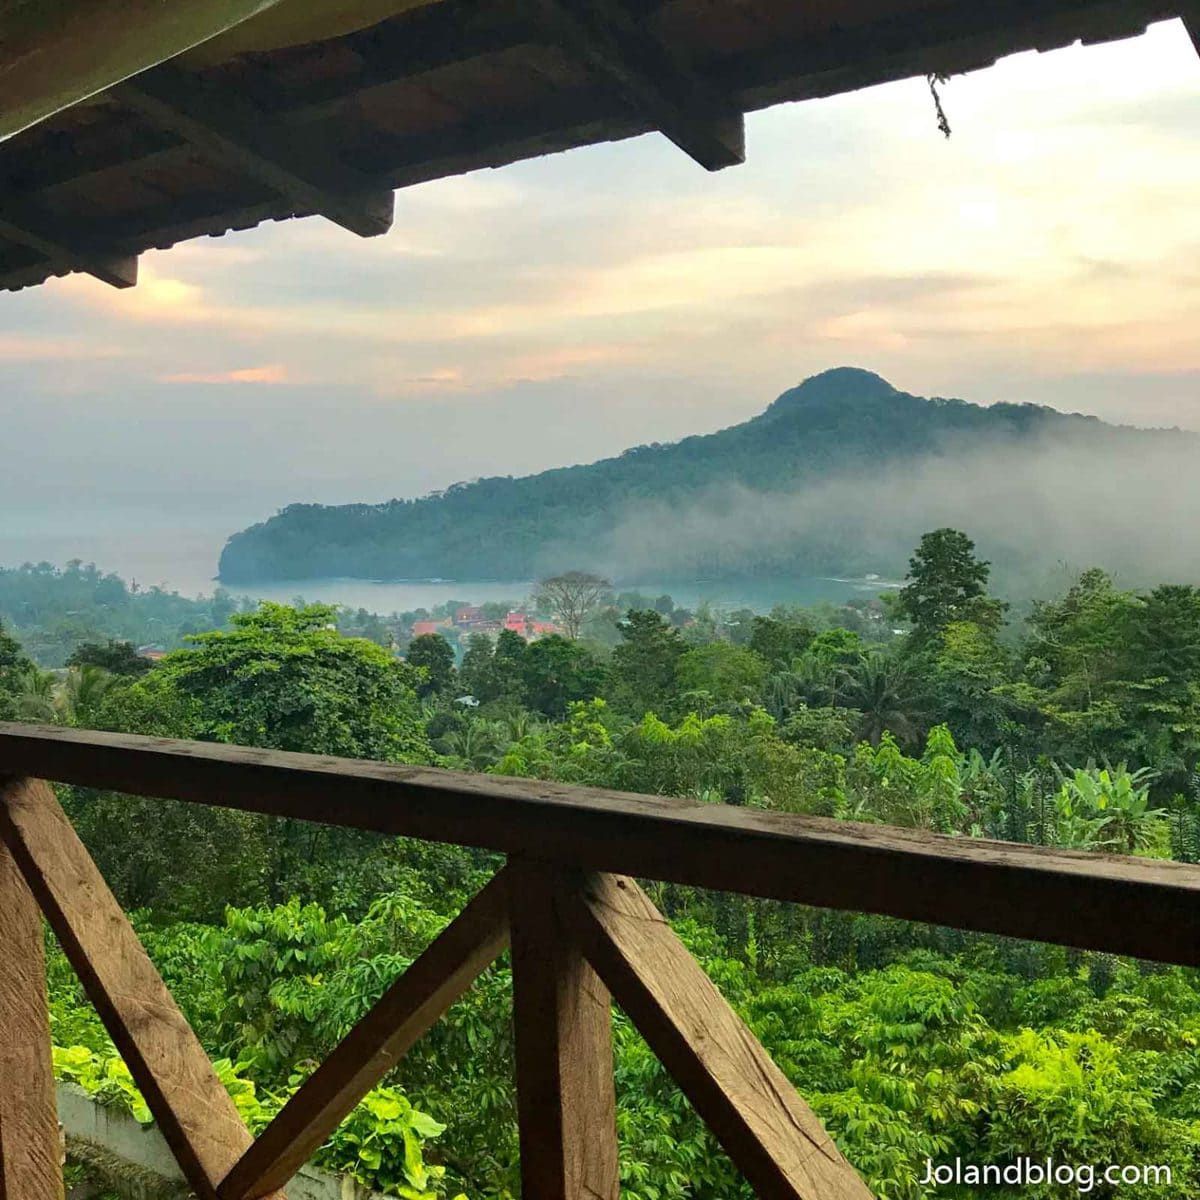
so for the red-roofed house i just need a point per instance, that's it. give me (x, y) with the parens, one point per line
(421, 628)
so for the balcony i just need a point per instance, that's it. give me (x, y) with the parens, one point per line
(581, 932)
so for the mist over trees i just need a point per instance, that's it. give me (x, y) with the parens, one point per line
(840, 475)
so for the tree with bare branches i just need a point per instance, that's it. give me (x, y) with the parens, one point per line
(571, 598)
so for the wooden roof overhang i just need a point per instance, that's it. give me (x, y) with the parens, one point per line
(268, 121)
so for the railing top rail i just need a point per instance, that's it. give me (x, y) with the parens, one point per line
(1144, 907)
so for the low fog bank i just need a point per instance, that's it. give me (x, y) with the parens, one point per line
(1039, 510)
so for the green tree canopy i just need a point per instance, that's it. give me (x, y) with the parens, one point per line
(557, 671)
(116, 657)
(434, 655)
(643, 664)
(14, 668)
(725, 673)
(946, 582)
(286, 678)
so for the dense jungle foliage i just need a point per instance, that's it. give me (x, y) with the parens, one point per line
(747, 500)
(1078, 726)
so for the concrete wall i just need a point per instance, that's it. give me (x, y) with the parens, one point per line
(134, 1159)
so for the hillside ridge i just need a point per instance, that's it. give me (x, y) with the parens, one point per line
(843, 424)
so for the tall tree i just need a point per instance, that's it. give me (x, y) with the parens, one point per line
(434, 655)
(946, 582)
(558, 672)
(643, 665)
(572, 598)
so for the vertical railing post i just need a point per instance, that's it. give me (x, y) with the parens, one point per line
(30, 1143)
(562, 1019)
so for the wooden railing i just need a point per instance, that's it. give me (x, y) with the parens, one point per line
(581, 933)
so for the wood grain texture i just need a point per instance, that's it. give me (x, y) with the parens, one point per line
(18, 224)
(299, 166)
(656, 82)
(459, 61)
(771, 1134)
(562, 1022)
(375, 1045)
(1144, 907)
(30, 1145)
(164, 1056)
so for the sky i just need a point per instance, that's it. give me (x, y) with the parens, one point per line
(563, 309)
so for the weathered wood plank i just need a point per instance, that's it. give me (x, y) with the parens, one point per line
(375, 1045)
(773, 1137)
(302, 167)
(30, 1146)
(562, 1022)
(163, 1054)
(651, 78)
(1143, 907)
(25, 228)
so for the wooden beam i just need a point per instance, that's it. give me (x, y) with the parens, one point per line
(165, 1058)
(30, 1144)
(23, 228)
(58, 54)
(950, 38)
(562, 1024)
(428, 38)
(773, 1137)
(301, 167)
(1149, 908)
(375, 1045)
(1191, 22)
(654, 81)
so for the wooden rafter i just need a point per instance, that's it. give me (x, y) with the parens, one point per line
(653, 80)
(297, 173)
(299, 167)
(373, 1047)
(771, 1134)
(24, 227)
(163, 1054)
(427, 39)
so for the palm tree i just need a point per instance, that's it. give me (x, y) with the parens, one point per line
(81, 690)
(884, 689)
(35, 696)
(479, 744)
(520, 723)
(63, 699)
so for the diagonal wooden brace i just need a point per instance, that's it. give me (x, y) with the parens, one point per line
(771, 1134)
(192, 1108)
(449, 966)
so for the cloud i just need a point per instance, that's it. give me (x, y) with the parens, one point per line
(619, 294)
(274, 373)
(35, 348)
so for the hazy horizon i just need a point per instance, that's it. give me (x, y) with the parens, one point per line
(561, 310)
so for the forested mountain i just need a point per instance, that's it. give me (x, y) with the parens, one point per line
(837, 475)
